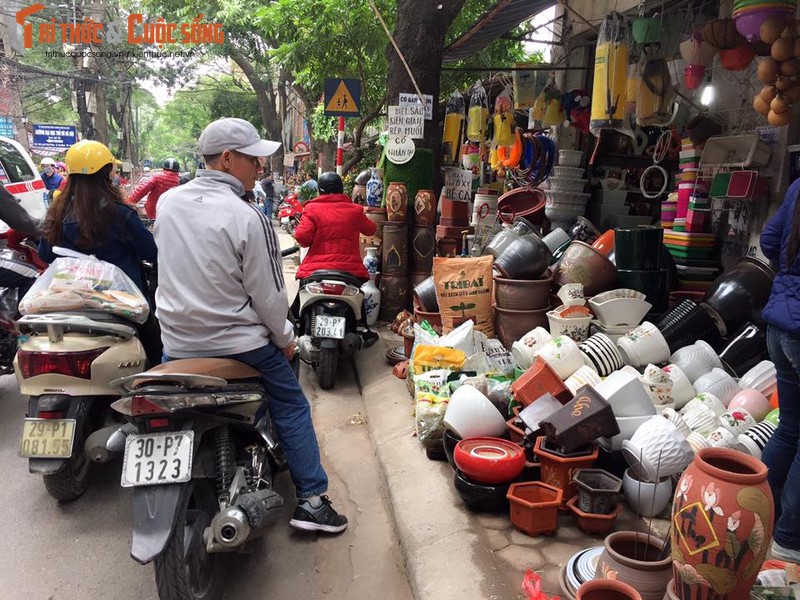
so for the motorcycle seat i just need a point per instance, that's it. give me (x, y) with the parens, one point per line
(342, 276)
(224, 368)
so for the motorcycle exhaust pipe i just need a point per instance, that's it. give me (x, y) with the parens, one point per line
(230, 528)
(102, 445)
(236, 524)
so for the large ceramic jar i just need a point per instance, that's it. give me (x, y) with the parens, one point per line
(635, 558)
(721, 525)
(425, 207)
(396, 202)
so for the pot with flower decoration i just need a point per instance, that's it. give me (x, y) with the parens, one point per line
(722, 521)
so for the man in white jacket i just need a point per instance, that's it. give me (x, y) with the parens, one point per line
(221, 294)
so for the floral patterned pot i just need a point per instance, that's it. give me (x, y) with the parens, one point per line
(424, 207)
(396, 201)
(557, 470)
(634, 558)
(722, 521)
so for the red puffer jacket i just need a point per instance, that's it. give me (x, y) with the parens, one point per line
(153, 187)
(329, 229)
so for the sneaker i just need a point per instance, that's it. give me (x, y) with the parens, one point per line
(785, 554)
(369, 338)
(324, 518)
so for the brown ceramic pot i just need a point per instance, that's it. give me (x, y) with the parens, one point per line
(394, 296)
(377, 216)
(722, 521)
(537, 380)
(423, 248)
(557, 469)
(524, 202)
(632, 557)
(424, 207)
(395, 249)
(606, 589)
(511, 325)
(534, 507)
(445, 246)
(523, 294)
(581, 421)
(452, 209)
(434, 318)
(581, 263)
(594, 523)
(396, 202)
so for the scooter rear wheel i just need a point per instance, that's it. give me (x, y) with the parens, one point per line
(184, 570)
(72, 481)
(328, 367)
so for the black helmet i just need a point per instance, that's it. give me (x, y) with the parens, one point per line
(330, 183)
(363, 177)
(171, 164)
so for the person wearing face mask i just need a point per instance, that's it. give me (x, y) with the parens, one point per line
(52, 180)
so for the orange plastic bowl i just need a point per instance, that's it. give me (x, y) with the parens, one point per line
(489, 460)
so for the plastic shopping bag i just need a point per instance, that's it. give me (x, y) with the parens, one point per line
(76, 282)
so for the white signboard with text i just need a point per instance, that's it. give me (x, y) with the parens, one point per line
(408, 121)
(458, 185)
(413, 100)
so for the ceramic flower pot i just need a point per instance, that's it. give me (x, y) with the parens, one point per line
(536, 412)
(557, 469)
(534, 507)
(526, 349)
(646, 498)
(722, 521)
(594, 523)
(753, 402)
(696, 360)
(718, 383)
(511, 325)
(626, 394)
(576, 328)
(583, 231)
(601, 354)
(581, 421)
(761, 377)
(721, 438)
(489, 460)
(525, 202)
(396, 201)
(657, 449)
(737, 421)
(539, 379)
(523, 294)
(583, 376)
(481, 497)
(682, 389)
(654, 284)
(701, 419)
(471, 414)
(707, 400)
(686, 323)
(747, 347)
(754, 440)
(563, 355)
(597, 490)
(634, 558)
(639, 248)
(433, 318)
(643, 345)
(740, 293)
(676, 419)
(526, 257)
(424, 207)
(581, 263)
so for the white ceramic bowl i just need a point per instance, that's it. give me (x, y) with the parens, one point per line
(471, 414)
(625, 392)
(576, 328)
(627, 427)
(643, 345)
(570, 158)
(565, 198)
(657, 449)
(618, 293)
(647, 499)
(719, 383)
(569, 172)
(762, 377)
(620, 311)
(565, 184)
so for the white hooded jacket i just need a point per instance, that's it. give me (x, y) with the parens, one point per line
(220, 280)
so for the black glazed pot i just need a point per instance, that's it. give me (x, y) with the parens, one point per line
(425, 295)
(739, 294)
(481, 497)
(653, 284)
(527, 257)
(639, 248)
(583, 231)
(686, 323)
(746, 348)
(449, 441)
(581, 421)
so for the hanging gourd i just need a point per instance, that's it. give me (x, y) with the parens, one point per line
(656, 94)
(453, 129)
(609, 90)
(478, 114)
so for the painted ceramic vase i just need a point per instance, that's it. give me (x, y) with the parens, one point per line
(396, 202)
(374, 189)
(424, 207)
(722, 521)
(371, 260)
(372, 300)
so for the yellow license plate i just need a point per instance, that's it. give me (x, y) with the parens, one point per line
(47, 438)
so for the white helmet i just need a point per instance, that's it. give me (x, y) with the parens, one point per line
(48, 161)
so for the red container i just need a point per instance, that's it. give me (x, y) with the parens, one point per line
(534, 507)
(489, 460)
(693, 76)
(539, 379)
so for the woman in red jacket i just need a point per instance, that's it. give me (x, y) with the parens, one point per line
(329, 228)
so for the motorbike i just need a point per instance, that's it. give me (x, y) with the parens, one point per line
(289, 213)
(328, 313)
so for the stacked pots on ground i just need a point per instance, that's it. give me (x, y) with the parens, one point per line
(566, 200)
(454, 221)
(394, 280)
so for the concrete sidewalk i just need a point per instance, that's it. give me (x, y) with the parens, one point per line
(451, 553)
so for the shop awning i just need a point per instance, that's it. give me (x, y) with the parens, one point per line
(500, 19)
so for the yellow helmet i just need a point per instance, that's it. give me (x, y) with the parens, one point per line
(87, 157)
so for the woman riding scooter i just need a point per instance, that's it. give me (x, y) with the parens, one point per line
(330, 228)
(89, 216)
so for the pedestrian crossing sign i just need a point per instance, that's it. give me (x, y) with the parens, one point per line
(342, 97)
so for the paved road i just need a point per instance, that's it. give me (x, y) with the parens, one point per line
(80, 550)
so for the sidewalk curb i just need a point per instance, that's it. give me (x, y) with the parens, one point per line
(440, 542)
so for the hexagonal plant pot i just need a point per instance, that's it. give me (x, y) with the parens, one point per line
(597, 490)
(534, 507)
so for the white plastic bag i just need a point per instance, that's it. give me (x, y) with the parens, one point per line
(79, 282)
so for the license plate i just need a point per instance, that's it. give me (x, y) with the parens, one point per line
(284, 220)
(47, 438)
(157, 458)
(329, 327)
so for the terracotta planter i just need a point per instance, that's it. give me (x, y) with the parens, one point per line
(534, 507)
(511, 325)
(516, 430)
(581, 263)
(581, 421)
(396, 202)
(594, 523)
(523, 294)
(452, 209)
(632, 557)
(394, 296)
(434, 318)
(424, 207)
(605, 589)
(408, 341)
(539, 379)
(558, 470)
(377, 216)
(423, 247)
(524, 202)
(597, 490)
(395, 249)
(722, 520)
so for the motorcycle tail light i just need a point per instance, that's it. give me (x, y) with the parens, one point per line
(142, 405)
(51, 414)
(159, 423)
(74, 364)
(155, 404)
(332, 288)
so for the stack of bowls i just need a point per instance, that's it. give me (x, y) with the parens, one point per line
(639, 263)
(565, 198)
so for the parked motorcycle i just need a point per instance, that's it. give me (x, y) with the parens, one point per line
(289, 212)
(66, 363)
(330, 305)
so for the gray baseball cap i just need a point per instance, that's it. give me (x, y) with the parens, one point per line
(234, 134)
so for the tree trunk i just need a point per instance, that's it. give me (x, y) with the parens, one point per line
(101, 116)
(420, 32)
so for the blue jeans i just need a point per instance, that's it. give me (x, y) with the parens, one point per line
(291, 414)
(782, 453)
(268, 207)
